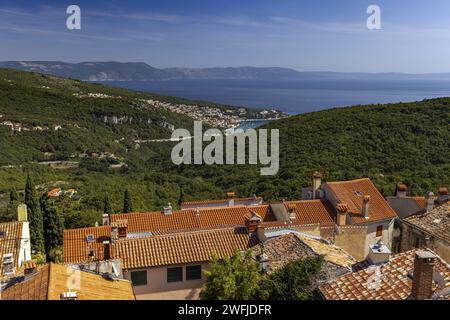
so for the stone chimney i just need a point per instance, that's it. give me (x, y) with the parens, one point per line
(29, 267)
(342, 210)
(252, 222)
(429, 201)
(291, 211)
(422, 286)
(400, 191)
(365, 206)
(317, 181)
(22, 212)
(119, 229)
(442, 195)
(105, 219)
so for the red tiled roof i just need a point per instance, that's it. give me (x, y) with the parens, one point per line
(352, 193)
(51, 280)
(393, 283)
(76, 247)
(179, 248)
(158, 222)
(311, 211)
(224, 201)
(10, 241)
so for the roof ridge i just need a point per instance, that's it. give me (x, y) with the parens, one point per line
(349, 181)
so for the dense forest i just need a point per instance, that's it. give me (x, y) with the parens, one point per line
(405, 142)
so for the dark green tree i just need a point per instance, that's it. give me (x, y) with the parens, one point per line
(53, 224)
(294, 281)
(181, 197)
(127, 203)
(34, 217)
(235, 278)
(13, 196)
(107, 205)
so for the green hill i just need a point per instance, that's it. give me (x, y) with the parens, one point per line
(390, 143)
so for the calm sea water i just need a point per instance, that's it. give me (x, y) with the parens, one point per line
(295, 97)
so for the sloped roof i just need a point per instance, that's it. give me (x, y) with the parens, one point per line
(404, 206)
(311, 211)
(179, 248)
(10, 238)
(393, 283)
(51, 280)
(158, 222)
(435, 222)
(76, 247)
(352, 193)
(220, 201)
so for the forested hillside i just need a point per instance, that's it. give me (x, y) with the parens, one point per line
(96, 138)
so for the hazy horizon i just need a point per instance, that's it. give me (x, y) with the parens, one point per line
(314, 36)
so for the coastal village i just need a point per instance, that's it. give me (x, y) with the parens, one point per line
(373, 248)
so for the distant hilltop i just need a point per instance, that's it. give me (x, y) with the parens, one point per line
(140, 71)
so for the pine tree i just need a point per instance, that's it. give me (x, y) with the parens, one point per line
(34, 217)
(107, 206)
(53, 224)
(127, 203)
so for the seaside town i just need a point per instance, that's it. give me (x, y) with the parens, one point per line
(371, 247)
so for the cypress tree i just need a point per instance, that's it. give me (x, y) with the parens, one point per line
(107, 206)
(34, 217)
(13, 196)
(181, 198)
(127, 203)
(53, 224)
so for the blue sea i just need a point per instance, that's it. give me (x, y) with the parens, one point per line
(295, 96)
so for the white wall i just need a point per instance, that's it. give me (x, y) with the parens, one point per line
(25, 244)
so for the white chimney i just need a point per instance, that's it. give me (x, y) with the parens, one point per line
(429, 201)
(317, 181)
(365, 206)
(105, 219)
(168, 210)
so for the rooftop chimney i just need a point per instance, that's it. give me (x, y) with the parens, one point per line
(252, 221)
(292, 214)
(400, 191)
(422, 286)
(365, 206)
(317, 180)
(29, 267)
(429, 201)
(342, 210)
(105, 219)
(119, 229)
(443, 195)
(22, 212)
(168, 210)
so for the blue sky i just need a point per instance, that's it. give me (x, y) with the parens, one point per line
(301, 34)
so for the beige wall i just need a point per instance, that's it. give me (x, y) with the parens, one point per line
(386, 238)
(158, 288)
(352, 240)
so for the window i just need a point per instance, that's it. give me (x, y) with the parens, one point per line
(175, 274)
(416, 242)
(139, 278)
(379, 231)
(193, 272)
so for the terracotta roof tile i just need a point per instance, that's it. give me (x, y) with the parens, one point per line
(158, 222)
(51, 280)
(393, 283)
(10, 238)
(311, 211)
(77, 248)
(352, 193)
(182, 248)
